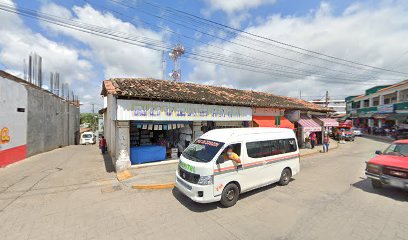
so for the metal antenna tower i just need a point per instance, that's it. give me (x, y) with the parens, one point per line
(175, 54)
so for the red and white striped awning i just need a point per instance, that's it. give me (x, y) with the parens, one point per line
(328, 122)
(308, 124)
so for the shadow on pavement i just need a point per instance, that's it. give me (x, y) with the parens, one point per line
(193, 206)
(387, 191)
(109, 167)
(204, 207)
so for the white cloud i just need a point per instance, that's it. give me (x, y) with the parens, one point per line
(236, 10)
(371, 35)
(118, 59)
(233, 6)
(17, 41)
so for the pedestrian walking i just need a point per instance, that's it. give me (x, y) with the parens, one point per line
(326, 143)
(102, 144)
(312, 137)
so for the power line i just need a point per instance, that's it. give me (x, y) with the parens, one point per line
(135, 40)
(358, 76)
(269, 39)
(259, 61)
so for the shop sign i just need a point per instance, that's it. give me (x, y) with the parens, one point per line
(170, 111)
(292, 115)
(268, 112)
(387, 108)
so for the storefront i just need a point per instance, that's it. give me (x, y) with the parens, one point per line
(270, 117)
(162, 130)
(305, 126)
(326, 123)
(147, 120)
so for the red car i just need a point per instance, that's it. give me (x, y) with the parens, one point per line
(390, 167)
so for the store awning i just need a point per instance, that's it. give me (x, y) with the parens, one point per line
(308, 124)
(271, 121)
(328, 122)
(381, 116)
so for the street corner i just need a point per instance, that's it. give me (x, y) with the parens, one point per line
(124, 175)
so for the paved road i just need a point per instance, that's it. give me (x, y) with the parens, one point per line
(67, 194)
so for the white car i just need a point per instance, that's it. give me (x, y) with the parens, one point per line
(357, 132)
(87, 138)
(267, 155)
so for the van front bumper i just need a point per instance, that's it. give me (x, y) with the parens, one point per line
(192, 191)
(389, 180)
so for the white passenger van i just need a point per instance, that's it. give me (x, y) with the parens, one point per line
(267, 155)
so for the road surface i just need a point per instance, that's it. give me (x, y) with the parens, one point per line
(69, 193)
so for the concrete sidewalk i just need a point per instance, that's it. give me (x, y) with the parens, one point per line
(163, 176)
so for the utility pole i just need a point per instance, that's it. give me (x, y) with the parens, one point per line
(327, 98)
(300, 94)
(93, 117)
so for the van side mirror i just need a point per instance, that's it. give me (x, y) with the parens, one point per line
(220, 159)
(378, 152)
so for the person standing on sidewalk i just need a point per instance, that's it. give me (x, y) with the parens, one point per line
(102, 144)
(326, 143)
(312, 137)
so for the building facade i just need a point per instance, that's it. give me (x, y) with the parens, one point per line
(337, 105)
(148, 120)
(380, 106)
(33, 120)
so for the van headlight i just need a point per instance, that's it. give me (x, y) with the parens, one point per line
(205, 180)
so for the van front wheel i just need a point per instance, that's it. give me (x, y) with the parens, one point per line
(230, 195)
(285, 177)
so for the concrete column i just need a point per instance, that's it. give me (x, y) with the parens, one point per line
(122, 146)
(381, 102)
(398, 96)
(362, 104)
(371, 102)
(380, 123)
(196, 131)
(371, 122)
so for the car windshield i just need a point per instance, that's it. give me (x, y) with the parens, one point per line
(87, 136)
(397, 149)
(202, 150)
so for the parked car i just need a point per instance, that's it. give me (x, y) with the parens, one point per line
(390, 167)
(348, 134)
(357, 131)
(401, 134)
(87, 138)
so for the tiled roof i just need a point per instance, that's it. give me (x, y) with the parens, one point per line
(164, 90)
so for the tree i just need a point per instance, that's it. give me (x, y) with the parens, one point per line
(91, 119)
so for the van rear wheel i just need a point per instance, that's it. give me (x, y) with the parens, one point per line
(286, 175)
(230, 195)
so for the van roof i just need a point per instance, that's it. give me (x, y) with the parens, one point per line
(223, 135)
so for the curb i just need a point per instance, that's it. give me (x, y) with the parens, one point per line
(154, 186)
(312, 153)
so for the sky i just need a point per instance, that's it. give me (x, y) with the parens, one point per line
(368, 32)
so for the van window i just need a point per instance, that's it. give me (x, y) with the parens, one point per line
(270, 147)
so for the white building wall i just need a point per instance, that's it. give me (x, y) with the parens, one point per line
(12, 96)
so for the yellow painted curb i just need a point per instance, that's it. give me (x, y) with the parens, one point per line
(154, 186)
(123, 175)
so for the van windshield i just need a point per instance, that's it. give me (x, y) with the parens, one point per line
(87, 136)
(202, 150)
